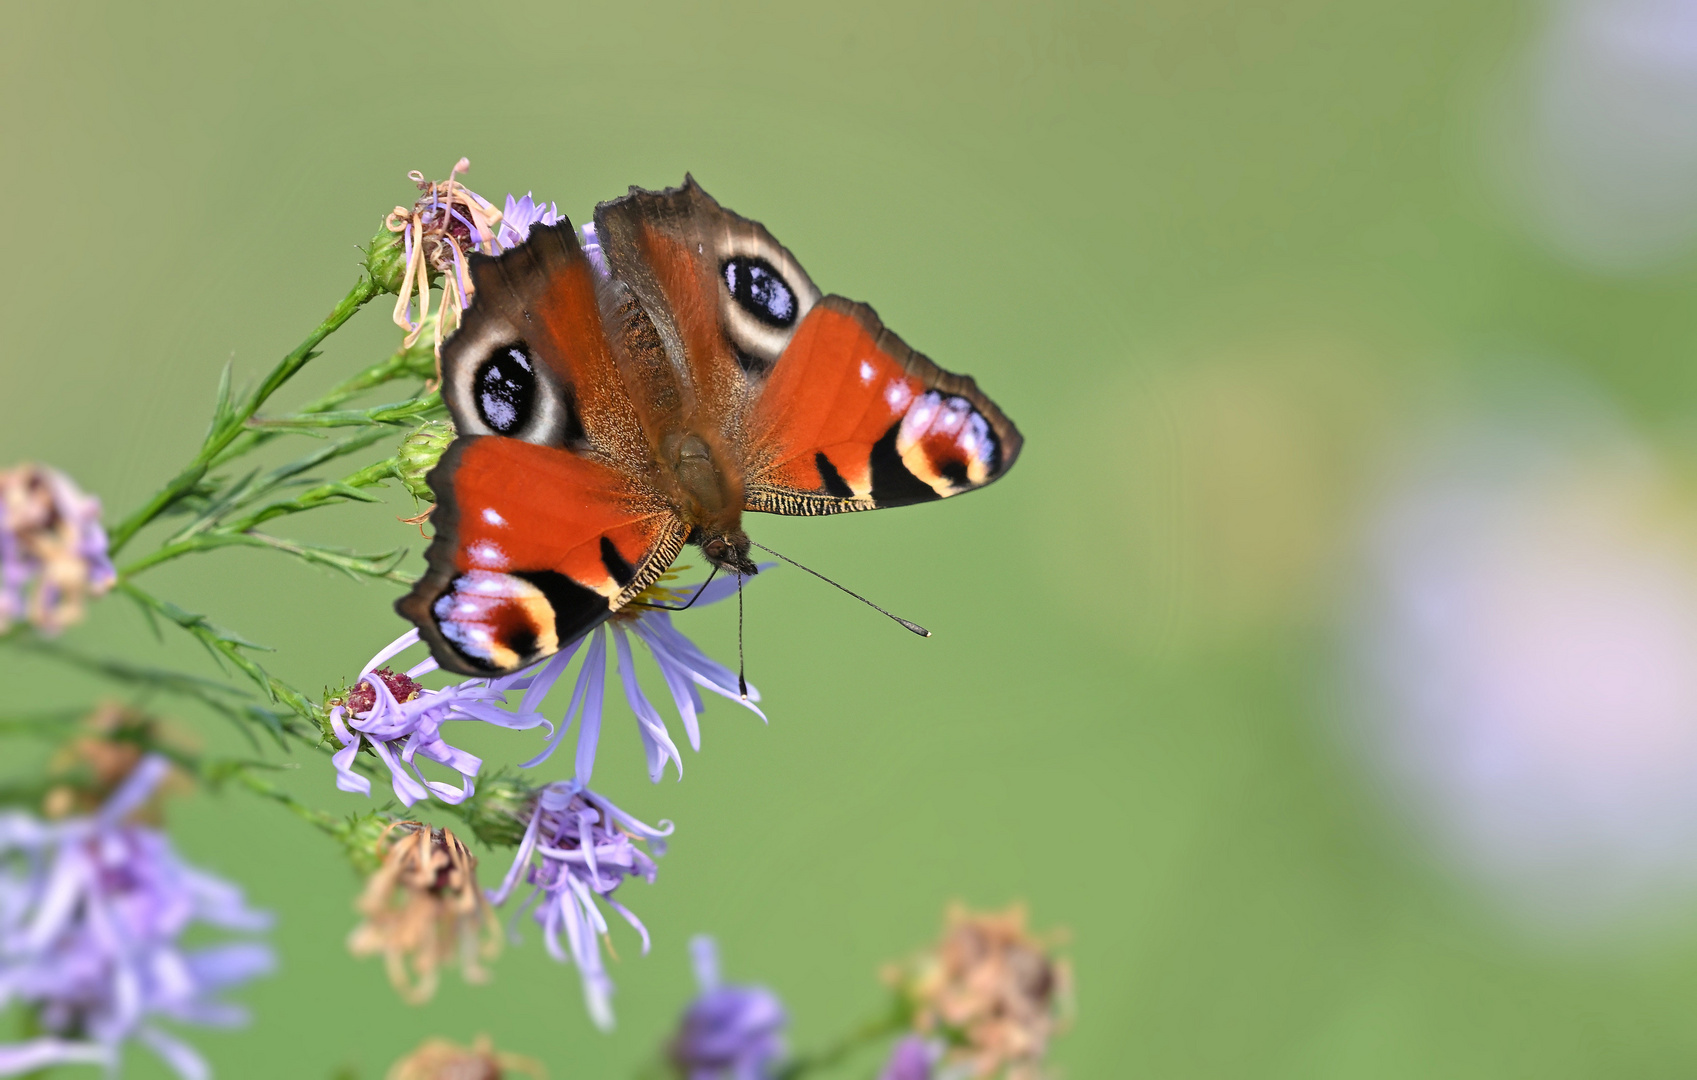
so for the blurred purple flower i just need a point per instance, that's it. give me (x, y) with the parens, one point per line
(1598, 140)
(1529, 642)
(517, 219)
(683, 667)
(91, 913)
(912, 1059)
(401, 721)
(52, 548)
(577, 847)
(728, 1032)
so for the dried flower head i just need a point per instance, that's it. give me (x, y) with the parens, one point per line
(423, 909)
(439, 1059)
(87, 769)
(448, 221)
(993, 990)
(52, 549)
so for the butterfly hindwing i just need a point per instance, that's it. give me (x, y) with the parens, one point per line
(545, 522)
(535, 545)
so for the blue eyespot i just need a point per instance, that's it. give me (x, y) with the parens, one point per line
(761, 290)
(505, 389)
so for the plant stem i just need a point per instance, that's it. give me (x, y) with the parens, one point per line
(234, 532)
(228, 425)
(896, 1019)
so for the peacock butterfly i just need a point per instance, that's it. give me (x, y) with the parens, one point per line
(609, 415)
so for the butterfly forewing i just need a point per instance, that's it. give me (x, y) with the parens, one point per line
(852, 419)
(547, 519)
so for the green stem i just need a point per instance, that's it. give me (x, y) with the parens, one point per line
(895, 1020)
(418, 362)
(229, 426)
(234, 532)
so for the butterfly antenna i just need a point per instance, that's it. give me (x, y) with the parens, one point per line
(693, 599)
(915, 627)
(742, 683)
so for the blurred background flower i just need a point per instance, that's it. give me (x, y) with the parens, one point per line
(1595, 135)
(1530, 637)
(93, 915)
(52, 549)
(729, 1032)
(439, 1059)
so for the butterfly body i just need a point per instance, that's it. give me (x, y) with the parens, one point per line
(607, 418)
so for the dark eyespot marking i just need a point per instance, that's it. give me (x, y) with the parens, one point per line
(618, 567)
(834, 482)
(761, 290)
(505, 389)
(954, 472)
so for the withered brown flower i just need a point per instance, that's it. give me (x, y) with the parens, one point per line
(993, 989)
(439, 1059)
(423, 909)
(87, 769)
(448, 222)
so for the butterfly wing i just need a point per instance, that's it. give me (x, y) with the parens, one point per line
(851, 418)
(827, 411)
(547, 518)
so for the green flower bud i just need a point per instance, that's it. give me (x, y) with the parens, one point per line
(386, 260)
(419, 453)
(499, 812)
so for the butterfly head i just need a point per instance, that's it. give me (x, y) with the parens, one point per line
(728, 551)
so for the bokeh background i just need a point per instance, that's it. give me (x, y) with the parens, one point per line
(1328, 666)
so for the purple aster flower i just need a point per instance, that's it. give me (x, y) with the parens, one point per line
(92, 910)
(517, 219)
(579, 848)
(592, 248)
(728, 1032)
(52, 548)
(685, 669)
(401, 721)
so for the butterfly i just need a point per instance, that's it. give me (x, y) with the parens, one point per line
(609, 413)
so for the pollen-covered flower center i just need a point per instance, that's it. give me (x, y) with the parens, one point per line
(362, 698)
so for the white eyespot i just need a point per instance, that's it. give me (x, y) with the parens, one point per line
(866, 373)
(493, 517)
(897, 395)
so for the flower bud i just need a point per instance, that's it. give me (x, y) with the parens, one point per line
(386, 260)
(420, 452)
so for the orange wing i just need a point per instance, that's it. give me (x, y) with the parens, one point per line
(547, 520)
(852, 419)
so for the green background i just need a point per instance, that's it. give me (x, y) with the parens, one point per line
(1207, 254)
